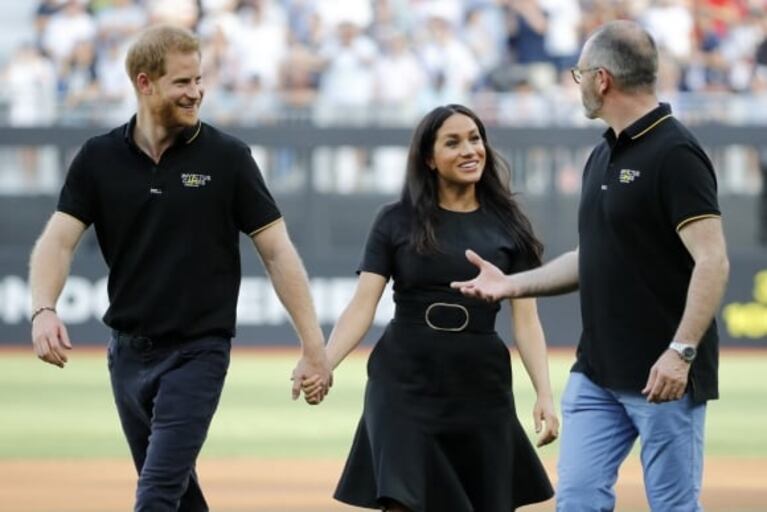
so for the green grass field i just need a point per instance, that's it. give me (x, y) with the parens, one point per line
(53, 413)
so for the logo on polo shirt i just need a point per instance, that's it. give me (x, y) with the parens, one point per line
(195, 180)
(628, 175)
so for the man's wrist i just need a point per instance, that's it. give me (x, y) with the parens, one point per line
(516, 285)
(686, 351)
(40, 310)
(313, 350)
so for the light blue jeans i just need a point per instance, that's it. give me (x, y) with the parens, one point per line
(599, 427)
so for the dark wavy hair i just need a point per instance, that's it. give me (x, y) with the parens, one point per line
(493, 193)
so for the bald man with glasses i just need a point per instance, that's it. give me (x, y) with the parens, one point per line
(651, 268)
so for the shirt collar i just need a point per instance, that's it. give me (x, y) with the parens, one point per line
(188, 135)
(641, 126)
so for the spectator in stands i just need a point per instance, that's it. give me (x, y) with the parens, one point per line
(45, 9)
(114, 91)
(29, 80)
(450, 65)
(120, 19)
(484, 37)
(396, 99)
(184, 13)
(671, 24)
(304, 22)
(527, 27)
(262, 26)
(67, 27)
(333, 13)
(562, 38)
(347, 81)
(759, 81)
(739, 48)
(714, 57)
(299, 80)
(421, 12)
(221, 69)
(527, 23)
(77, 79)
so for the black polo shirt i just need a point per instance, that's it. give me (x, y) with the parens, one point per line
(639, 189)
(169, 232)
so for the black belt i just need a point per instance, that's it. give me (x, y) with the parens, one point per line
(144, 343)
(448, 316)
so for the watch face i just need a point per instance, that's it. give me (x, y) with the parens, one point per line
(688, 353)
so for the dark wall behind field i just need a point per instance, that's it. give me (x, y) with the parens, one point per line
(329, 229)
(342, 228)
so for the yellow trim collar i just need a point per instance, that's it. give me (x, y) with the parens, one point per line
(195, 134)
(656, 123)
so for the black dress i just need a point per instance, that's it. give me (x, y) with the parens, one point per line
(439, 431)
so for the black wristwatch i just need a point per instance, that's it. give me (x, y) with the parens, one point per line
(685, 351)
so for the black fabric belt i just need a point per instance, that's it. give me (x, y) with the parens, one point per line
(144, 343)
(447, 316)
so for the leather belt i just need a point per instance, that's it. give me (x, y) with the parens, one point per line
(447, 316)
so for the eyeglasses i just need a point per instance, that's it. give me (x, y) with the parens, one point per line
(578, 73)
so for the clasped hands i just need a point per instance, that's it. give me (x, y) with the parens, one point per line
(312, 376)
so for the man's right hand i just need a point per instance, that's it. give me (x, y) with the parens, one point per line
(491, 284)
(50, 339)
(315, 370)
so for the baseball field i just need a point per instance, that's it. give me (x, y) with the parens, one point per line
(61, 449)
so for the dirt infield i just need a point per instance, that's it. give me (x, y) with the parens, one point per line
(239, 485)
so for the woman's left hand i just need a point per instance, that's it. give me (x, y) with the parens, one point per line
(546, 421)
(314, 390)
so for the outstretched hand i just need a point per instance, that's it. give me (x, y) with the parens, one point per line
(491, 284)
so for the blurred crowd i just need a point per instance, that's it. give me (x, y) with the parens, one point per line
(376, 61)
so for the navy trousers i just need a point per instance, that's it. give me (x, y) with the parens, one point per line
(166, 394)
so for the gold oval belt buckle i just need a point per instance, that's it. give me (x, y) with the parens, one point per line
(446, 305)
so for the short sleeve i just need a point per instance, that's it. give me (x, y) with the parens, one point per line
(688, 185)
(254, 207)
(523, 261)
(77, 194)
(378, 255)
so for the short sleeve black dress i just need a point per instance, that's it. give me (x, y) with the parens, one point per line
(439, 431)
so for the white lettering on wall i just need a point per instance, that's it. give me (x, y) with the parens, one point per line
(14, 300)
(84, 300)
(76, 302)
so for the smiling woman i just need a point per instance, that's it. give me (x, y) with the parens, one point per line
(446, 139)
(439, 429)
(458, 159)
